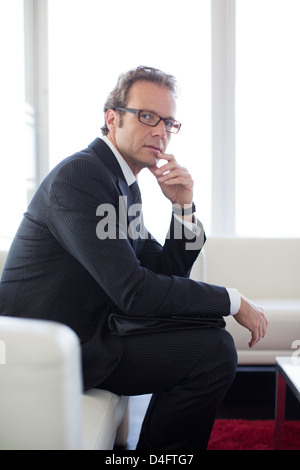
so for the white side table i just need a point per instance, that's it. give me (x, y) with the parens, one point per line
(288, 373)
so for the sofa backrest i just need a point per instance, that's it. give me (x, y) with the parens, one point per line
(258, 267)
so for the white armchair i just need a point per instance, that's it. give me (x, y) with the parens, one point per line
(41, 401)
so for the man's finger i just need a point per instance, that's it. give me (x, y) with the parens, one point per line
(254, 338)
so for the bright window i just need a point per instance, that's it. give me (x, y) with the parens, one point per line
(267, 117)
(14, 155)
(92, 42)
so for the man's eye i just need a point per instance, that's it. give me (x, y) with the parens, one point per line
(147, 117)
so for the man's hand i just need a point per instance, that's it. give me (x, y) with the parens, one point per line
(252, 317)
(175, 181)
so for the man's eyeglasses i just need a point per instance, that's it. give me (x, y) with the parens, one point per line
(151, 119)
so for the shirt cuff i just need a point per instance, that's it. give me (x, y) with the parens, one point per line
(235, 300)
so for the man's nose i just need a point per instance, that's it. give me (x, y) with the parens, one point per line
(160, 129)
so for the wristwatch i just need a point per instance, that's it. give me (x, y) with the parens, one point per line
(181, 211)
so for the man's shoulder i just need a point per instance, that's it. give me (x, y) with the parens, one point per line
(85, 161)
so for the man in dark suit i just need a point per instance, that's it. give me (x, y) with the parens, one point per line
(83, 257)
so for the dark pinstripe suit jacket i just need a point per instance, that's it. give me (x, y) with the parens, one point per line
(58, 268)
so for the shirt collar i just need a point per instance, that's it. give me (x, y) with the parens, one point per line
(126, 170)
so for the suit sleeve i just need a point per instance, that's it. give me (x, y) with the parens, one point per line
(179, 252)
(76, 193)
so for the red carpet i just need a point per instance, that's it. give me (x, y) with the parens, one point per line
(239, 434)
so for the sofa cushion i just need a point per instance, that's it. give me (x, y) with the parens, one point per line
(40, 393)
(102, 413)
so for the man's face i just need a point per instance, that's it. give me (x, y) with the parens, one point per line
(138, 143)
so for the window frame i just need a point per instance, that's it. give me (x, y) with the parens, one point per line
(36, 90)
(223, 118)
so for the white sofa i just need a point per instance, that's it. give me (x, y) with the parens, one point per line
(42, 406)
(267, 271)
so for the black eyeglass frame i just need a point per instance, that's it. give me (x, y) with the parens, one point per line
(138, 113)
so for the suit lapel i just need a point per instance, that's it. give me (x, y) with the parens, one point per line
(109, 160)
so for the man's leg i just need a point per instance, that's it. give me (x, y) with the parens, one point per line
(188, 372)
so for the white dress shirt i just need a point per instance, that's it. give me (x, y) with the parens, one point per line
(234, 294)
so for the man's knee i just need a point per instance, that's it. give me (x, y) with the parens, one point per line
(221, 361)
(227, 356)
(217, 357)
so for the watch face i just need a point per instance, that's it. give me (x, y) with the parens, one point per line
(178, 210)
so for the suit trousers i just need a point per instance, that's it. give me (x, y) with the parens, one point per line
(188, 373)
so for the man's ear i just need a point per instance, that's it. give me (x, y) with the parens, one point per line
(112, 119)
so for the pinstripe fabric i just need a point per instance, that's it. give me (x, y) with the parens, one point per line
(135, 193)
(188, 372)
(59, 269)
